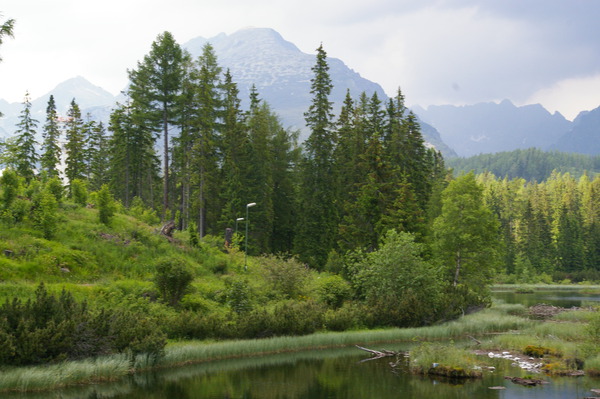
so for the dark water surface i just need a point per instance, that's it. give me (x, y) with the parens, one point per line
(563, 298)
(332, 374)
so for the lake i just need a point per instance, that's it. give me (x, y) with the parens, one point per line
(333, 374)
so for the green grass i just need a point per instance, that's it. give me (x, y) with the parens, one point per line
(64, 374)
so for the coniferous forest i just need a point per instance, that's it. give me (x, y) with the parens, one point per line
(360, 226)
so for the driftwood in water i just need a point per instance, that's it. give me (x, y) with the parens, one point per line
(378, 354)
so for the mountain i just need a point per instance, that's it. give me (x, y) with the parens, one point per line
(584, 135)
(91, 99)
(490, 127)
(255, 56)
(281, 73)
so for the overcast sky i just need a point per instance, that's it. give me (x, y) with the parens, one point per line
(437, 51)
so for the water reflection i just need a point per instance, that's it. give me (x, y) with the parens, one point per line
(328, 374)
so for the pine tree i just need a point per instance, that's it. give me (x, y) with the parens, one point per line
(97, 156)
(26, 156)
(317, 217)
(75, 144)
(133, 163)
(155, 86)
(235, 145)
(51, 151)
(205, 135)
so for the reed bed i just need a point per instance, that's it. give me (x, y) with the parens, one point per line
(63, 374)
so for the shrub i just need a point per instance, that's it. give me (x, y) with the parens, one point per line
(79, 193)
(287, 277)
(334, 290)
(173, 278)
(348, 317)
(297, 318)
(46, 213)
(50, 329)
(106, 205)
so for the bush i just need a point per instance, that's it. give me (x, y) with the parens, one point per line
(50, 329)
(297, 318)
(106, 205)
(173, 278)
(287, 277)
(79, 193)
(334, 290)
(348, 317)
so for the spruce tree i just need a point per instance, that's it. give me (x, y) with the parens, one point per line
(51, 151)
(234, 149)
(75, 144)
(97, 156)
(26, 156)
(317, 217)
(155, 86)
(205, 136)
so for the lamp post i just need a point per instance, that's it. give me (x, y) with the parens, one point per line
(236, 223)
(246, 251)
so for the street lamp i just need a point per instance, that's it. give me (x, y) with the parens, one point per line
(236, 223)
(246, 251)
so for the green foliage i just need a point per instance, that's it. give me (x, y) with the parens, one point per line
(444, 360)
(50, 328)
(46, 213)
(466, 242)
(55, 187)
(238, 295)
(172, 279)
(106, 205)
(287, 278)
(333, 290)
(79, 192)
(10, 184)
(138, 210)
(531, 164)
(400, 286)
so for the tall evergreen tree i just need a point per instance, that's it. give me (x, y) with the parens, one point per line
(205, 136)
(133, 162)
(234, 149)
(317, 217)
(75, 144)
(156, 85)
(51, 151)
(26, 156)
(97, 156)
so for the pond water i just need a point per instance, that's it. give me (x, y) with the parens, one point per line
(563, 298)
(328, 374)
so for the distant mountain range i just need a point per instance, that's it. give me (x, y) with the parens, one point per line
(490, 128)
(282, 74)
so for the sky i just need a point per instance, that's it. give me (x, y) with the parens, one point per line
(437, 51)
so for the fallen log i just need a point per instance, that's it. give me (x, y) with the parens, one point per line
(378, 354)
